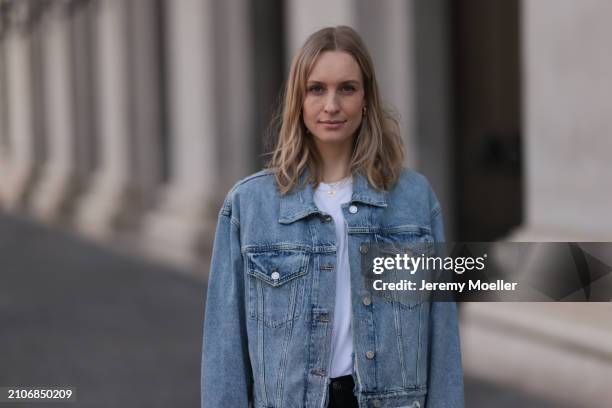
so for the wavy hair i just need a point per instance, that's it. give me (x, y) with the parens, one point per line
(378, 152)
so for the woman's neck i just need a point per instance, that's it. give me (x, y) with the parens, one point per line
(335, 163)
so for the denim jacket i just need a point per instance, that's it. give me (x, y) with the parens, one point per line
(270, 302)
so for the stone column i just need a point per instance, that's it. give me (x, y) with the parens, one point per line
(146, 112)
(559, 351)
(305, 17)
(57, 182)
(388, 30)
(4, 135)
(85, 56)
(235, 86)
(187, 213)
(430, 100)
(107, 205)
(20, 164)
(567, 65)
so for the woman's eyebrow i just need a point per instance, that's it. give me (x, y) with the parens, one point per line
(347, 81)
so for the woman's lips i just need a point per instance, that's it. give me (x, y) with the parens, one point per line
(332, 124)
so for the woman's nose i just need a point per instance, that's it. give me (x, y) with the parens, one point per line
(331, 104)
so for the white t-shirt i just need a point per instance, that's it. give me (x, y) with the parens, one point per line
(342, 334)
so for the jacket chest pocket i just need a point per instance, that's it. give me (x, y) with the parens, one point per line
(415, 242)
(405, 234)
(276, 285)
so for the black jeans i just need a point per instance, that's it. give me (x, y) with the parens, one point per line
(341, 393)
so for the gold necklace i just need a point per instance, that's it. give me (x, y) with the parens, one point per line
(333, 187)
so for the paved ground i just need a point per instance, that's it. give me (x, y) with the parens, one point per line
(124, 332)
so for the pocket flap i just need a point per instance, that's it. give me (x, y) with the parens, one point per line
(277, 267)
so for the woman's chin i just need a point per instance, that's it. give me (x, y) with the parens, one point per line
(331, 137)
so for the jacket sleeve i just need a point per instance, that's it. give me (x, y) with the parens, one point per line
(445, 382)
(226, 379)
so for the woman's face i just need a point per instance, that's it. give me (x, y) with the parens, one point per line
(334, 100)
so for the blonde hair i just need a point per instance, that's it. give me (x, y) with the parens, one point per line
(378, 152)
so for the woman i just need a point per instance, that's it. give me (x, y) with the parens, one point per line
(289, 319)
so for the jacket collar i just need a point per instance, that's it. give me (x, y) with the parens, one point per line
(299, 202)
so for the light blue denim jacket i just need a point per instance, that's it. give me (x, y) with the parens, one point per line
(270, 302)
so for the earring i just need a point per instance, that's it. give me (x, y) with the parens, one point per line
(363, 111)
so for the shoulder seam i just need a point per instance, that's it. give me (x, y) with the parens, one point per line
(227, 209)
(261, 173)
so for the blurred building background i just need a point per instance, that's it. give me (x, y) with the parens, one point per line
(126, 122)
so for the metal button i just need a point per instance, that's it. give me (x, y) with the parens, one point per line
(353, 209)
(367, 300)
(363, 248)
(416, 404)
(369, 354)
(376, 404)
(275, 275)
(337, 385)
(327, 218)
(324, 317)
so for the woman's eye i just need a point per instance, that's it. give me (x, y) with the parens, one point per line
(348, 88)
(315, 89)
